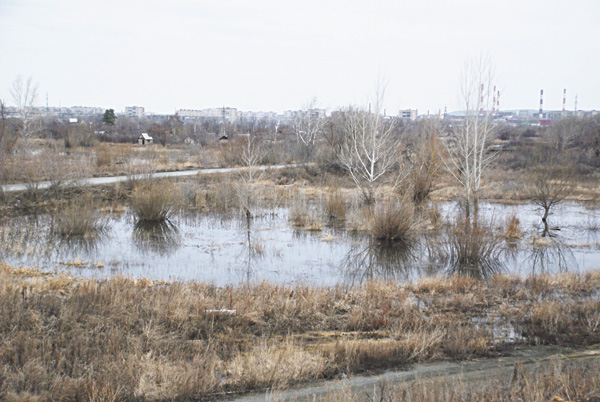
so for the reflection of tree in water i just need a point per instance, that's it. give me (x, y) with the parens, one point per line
(551, 255)
(379, 259)
(159, 237)
(253, 250)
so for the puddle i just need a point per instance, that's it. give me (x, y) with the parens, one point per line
(224, 251)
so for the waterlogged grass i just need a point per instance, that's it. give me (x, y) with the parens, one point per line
(69, 338)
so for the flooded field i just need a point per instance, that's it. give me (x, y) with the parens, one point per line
(230, 250)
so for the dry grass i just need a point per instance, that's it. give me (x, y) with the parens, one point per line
(513, 229)
(78, 219)
(335, 205)
(473, 249)
(78, 339)
(553, 382)
(154, 202)
(394, 220)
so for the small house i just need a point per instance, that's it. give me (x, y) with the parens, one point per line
(144, 139)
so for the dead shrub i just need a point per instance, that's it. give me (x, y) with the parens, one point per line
(78, 219)
(335, 205)
(472, 248)
(394, 220)
(154, 202)
(103, 157)
(513, 230)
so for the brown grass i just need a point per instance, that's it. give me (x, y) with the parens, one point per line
(394, 220)
(77, 339)
(154, 202)
(513, 229)
(554, 382)
(473, 248)
(78, 219)
(335, 205)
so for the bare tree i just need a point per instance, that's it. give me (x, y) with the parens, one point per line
(308, 126)
(251, 155)
(24, 94)
(549, 185)
(469, 149)
(369, 150)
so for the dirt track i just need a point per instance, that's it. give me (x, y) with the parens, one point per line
(471, 373)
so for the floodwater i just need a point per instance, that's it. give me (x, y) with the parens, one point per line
(232, 250)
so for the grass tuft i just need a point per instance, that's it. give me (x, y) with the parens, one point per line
(154, 202)
(394, 221)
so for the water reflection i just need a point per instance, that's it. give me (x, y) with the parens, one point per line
(253, 249)
(375, 259)
(162, 238)
(472, 248)
(87, 243)
(551, 256)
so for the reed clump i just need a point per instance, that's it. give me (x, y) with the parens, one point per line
(154, 202)
(394, 220)
(473, 248)
(335, 205)
(78, 219)
(513, 229)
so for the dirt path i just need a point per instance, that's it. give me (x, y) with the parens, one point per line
(95, 181)
(471, 373)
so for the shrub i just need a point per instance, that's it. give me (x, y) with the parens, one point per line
(154, 202)
(473, 249)
(78, 219)
(394, 221)
(512, 227)
(335, 206)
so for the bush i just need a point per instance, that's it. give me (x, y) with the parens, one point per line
(394, 221)
(335, 205)
(154, 202)
(78, 219)
(473, 249)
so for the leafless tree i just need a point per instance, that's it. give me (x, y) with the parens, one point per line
(24, 94)
(369, 150)
(251, 156)
(549, 185)
(469, 149)
(308, 126)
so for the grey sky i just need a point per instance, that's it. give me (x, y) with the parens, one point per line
(276, 55)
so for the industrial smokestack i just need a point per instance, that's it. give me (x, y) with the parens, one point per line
(541, 103)
(498, 103)
(564, 99)
(481, 100)
(494, 102)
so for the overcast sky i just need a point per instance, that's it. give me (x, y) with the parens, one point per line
(276, 55)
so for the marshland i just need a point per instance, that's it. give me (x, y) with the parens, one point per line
(208, 287)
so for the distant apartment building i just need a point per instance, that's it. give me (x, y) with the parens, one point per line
(249, 116)
(134, 112)
(85, 110)
(223, 113)
(289, 115)
(408, 114)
